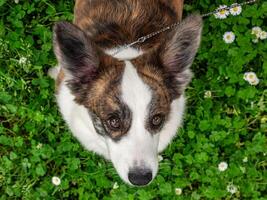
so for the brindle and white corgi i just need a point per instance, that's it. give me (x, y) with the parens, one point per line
(126, 107)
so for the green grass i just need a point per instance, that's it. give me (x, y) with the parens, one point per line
(230, 125)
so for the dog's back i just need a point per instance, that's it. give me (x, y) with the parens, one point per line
(112, 23)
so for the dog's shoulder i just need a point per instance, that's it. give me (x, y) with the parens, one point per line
(112, 23)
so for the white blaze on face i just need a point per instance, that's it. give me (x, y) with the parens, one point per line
(138, 148)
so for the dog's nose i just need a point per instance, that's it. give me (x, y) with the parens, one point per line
(140, 176)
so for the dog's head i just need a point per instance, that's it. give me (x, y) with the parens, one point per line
(135, 105)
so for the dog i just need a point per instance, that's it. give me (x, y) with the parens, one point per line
(127, 106)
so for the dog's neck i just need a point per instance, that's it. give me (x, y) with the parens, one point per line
(126, 54)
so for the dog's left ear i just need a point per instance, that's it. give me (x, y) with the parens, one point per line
(178, 52)
(76, 54)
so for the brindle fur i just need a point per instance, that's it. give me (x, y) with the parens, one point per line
(116, 22)
(96, 77)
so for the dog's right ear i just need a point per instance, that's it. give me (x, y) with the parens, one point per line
(75, 52)
(178, 52)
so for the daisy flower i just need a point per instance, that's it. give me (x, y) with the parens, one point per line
(264, 119)
(178, 191)
(160, 158)
(229, 37)
(256, 31)
(255, 40)
(231, 188)
(222, 166)
(207, 94)
(245, 159)
(252, 78)
(22, 60)
(56, 180)
(115, 186)
(243, 169)
(235, 9)
(39, 146)
(263, 35)
(222, 13)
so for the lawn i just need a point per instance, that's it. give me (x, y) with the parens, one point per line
(220, 153)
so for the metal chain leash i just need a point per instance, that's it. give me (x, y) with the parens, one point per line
(144, 38)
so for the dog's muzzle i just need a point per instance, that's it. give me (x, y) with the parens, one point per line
(140, 176)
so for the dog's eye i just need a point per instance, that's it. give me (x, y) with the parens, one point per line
(114, 123)
(157, 120)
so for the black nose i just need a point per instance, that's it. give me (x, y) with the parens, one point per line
(140, 176)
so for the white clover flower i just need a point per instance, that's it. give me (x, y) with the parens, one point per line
(22, 60)
(115, 186)
(256, 31)
(229, 37)
(251, 78)
(231, 188)
(178, 191)
(263, 35)
(16, 1)
(245, 159)
(222, 14)
(207, 94)
(235, 9)
(56, 180)
(160, 158)
(222, 166)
